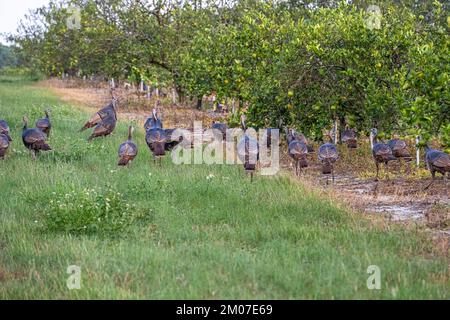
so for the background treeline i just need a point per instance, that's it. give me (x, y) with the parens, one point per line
(306, 62)
(7, 57)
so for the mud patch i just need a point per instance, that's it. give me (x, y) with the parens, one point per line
(400, 212)
(399, 199)
(398, 196)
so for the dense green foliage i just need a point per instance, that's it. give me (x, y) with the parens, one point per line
(7, 57)
(204, 231)
(307, 64)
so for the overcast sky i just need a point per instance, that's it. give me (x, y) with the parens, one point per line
(11, 11)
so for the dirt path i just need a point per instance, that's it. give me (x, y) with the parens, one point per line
(402, 198)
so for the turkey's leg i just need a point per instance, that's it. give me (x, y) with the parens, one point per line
(446, 184)
(408, 167)
(433, 173)
(378, 169)
(387, 171)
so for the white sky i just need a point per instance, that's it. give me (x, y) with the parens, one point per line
(11, 11)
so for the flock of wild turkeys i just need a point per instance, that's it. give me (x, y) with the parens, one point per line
(160, 140)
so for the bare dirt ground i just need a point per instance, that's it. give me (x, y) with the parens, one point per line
(401, 199)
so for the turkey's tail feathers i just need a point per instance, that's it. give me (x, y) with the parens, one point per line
(123, 161)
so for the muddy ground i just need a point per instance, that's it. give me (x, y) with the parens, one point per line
(401, 198)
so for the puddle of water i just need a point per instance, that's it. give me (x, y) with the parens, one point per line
(399, 212)
(445, 233)
(358, 191)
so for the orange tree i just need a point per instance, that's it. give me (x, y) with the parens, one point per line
(304, 64)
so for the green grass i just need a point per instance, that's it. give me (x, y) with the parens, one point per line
(187, 236)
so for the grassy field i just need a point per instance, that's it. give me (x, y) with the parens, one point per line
(197, 232)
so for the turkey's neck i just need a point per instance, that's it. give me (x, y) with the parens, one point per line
(373, 140)
(244, 127)
(129, 133)
(25, 126)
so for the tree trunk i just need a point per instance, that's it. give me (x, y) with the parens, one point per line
(342, 124)
(336, 131)
(180, 94)
(199, 103)
(174, 95)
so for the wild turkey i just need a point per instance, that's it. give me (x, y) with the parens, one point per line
(4, 129)
(104, 128)
(248, 150)
(156, 141)
(44, 124)
(34, 139)
(437, 161)
(292, 135)
(153, 121)
(289, 135)
(349, 138)
(328, 155)
(381, 152)
(171, 139)
(127, 150)
(4, 145)
(400, 149)
(222, 127)
(107, 112)
(301, 137)
(298, 151)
